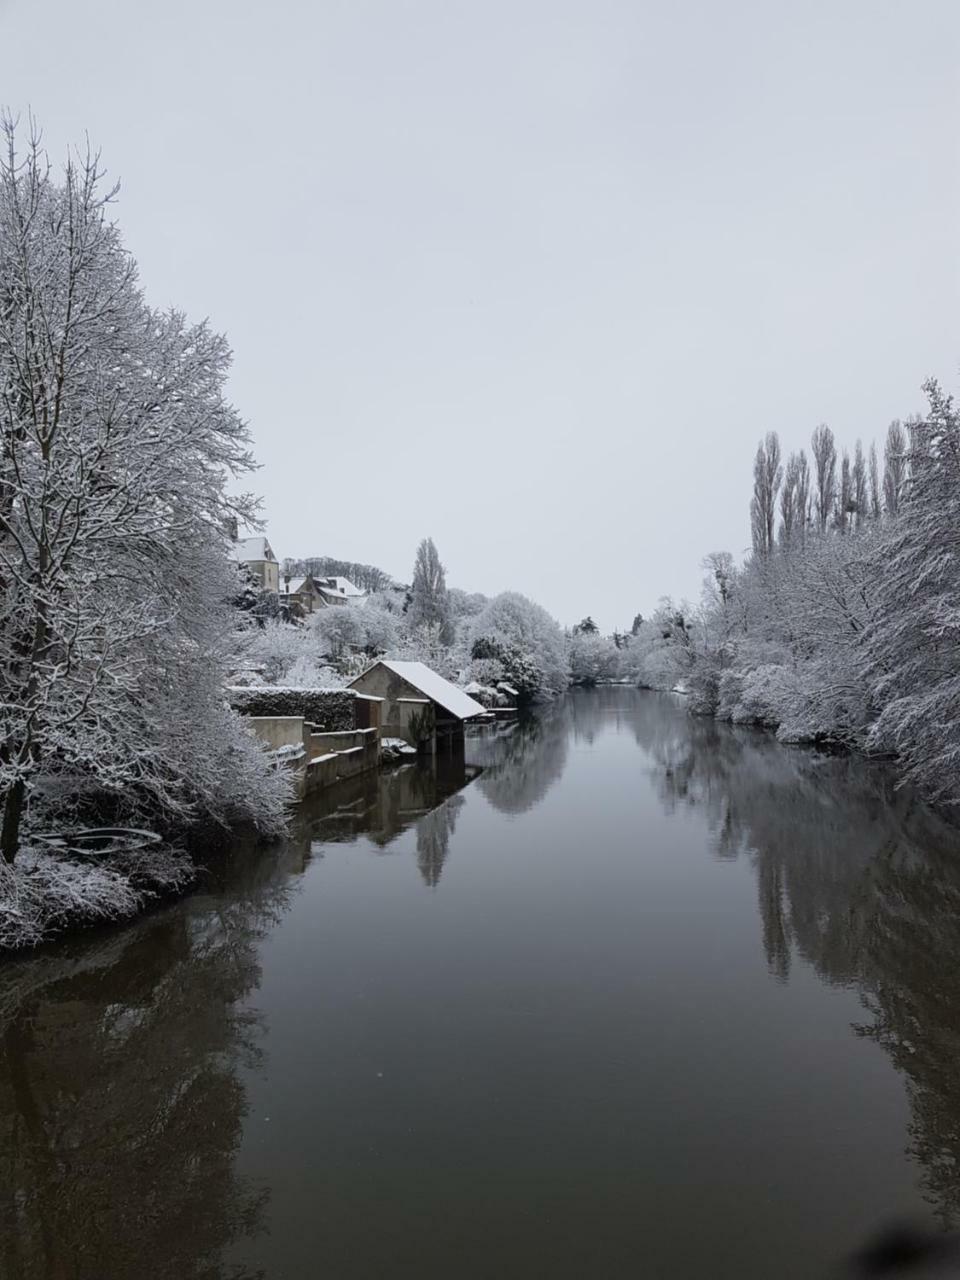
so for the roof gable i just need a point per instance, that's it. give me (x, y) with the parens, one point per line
(434, 687)
(249, 549)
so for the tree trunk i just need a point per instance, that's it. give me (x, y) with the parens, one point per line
(12, 813)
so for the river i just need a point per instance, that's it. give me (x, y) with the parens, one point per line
(627, 994)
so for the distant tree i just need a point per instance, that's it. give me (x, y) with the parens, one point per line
(721, 571)
(824, 452)
(861, 501)
(802, 499)
(636, 624)
(895, 462)
(844, 507)
(592, 657)
(365, 576)
(429, 602)
(767, 477)
(788, 502)
(586, 627)
(876, 505)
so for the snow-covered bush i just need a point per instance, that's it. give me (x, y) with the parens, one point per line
(526, 641)
(338, 630)
(593, 657)
(44, 893)
(277, 646)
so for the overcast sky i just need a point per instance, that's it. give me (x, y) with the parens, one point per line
(531, 277)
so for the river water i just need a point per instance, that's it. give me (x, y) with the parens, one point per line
(626, 994)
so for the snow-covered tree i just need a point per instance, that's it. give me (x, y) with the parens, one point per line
(593, 657)
(429, 605)
(824, 451)
(767, 477)
(527, 642)
(914, 642)
(895, 465)
(116, 448)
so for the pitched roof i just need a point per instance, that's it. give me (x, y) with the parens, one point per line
(246, 549)
(346, 586)
(438, 690)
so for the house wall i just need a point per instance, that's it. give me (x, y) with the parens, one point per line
(401, 701)
(278, 731)
(267, 573)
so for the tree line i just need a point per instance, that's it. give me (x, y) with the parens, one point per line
(841, 626)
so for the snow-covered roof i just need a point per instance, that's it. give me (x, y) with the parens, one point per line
(334, 592)
(345, 586)
(247, 549)
(438, 690)
(296, 584)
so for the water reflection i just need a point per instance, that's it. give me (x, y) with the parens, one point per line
(121, 1055)
(125, 1059)
(523, 759)
(380, 807)
(121, 1109)
(857, 878)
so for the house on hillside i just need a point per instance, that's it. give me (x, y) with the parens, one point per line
(418, 705)
(346, 588)
(256, 556)
(331, 593)
(303, 593)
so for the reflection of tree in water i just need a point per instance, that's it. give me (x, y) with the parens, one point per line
(522, 762)
(860, 880)
(433, 839)
(120, 1104)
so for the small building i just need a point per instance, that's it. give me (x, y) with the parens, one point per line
(418, 705)
(330, 593)
(304, 593)
(256, 556)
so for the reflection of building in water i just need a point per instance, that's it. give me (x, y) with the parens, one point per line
(423, 795)
(856, 878)
(121, 1104)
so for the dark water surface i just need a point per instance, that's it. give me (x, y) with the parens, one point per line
(631, 995)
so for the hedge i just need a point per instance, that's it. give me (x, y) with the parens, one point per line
(332, 710)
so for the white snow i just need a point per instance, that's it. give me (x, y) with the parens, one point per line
(346, 587)
(248, 549)
(438, 690)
